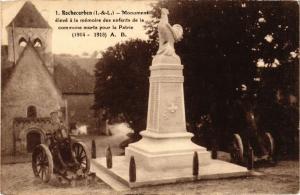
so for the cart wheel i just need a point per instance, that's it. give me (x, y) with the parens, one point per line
(42, 162)
(237, 151)
(269, 143)
(82, 156)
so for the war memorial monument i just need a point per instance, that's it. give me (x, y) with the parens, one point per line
(165, 152)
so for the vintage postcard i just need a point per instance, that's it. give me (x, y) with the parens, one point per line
(149, 97)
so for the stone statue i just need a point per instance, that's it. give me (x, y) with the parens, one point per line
(168, 35)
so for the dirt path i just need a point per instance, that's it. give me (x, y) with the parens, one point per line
(283, 178)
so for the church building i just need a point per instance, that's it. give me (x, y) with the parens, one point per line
(29, 92)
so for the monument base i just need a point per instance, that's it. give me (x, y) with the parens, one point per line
(163, 151)
(118, 176)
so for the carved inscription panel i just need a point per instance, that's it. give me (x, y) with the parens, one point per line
(171, 110)
(152, 121)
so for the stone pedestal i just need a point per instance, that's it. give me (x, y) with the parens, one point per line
(166, 144)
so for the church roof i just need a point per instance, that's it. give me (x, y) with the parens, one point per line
(69, 76)
(72, 75)
(30, 81)
(29, 17)
(33, 53)
(73, 80)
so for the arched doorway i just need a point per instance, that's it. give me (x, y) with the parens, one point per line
(33, 139)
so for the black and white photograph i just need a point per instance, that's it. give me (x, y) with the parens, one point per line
(149, 97)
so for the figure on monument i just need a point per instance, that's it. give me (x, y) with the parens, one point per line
(168, 35)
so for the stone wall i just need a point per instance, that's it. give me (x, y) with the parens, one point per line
(29, 85)
(23, 126)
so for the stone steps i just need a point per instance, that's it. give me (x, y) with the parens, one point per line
(107, 178)
(118, 176)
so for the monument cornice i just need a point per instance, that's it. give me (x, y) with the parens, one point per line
(169, 79)
(152, 134)
(166, 67)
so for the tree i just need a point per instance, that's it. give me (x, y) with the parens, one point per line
(223, 43)
(222, 46)
(122, 81)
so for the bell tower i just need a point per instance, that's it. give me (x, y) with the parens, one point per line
(29, 26)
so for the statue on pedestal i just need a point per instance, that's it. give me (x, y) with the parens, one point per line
(166, 139)
(165, 154)
(168, 35)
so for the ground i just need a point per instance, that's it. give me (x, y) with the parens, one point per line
(282, 178)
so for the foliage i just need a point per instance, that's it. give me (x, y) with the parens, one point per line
(223, 41)
(122, 81)
(222, 45)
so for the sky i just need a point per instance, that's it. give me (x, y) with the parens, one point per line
(62, 40)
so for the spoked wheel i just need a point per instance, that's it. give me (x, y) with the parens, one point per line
(269, 142)
(237, 150)
(42, 163)
(82, 156)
